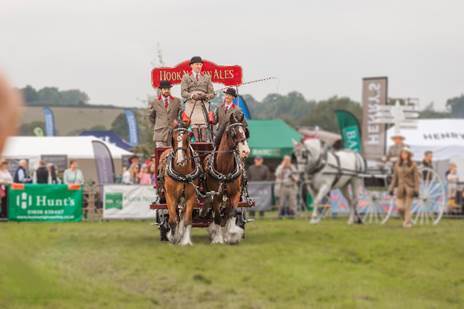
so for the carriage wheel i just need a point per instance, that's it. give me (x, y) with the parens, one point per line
(374, 207)
(162, 218)
(430, 205)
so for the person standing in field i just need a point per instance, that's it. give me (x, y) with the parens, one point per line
(41, 174)
(258, 172)
(144, 175)
(5, 180)
(427, 162)
(73, 175)
(286, 175)
(405, 184)
(22, 174)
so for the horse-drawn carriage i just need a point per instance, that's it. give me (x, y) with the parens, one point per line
(363, 186)
(201, 217)
(201, 180)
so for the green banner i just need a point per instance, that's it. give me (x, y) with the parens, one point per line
(56, 203)
(350, 131)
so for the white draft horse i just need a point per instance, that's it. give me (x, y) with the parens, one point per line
(325, 170)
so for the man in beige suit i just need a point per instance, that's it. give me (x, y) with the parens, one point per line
(163, 111)
(198, 90)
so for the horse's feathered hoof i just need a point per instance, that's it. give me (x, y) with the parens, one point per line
(215, 234)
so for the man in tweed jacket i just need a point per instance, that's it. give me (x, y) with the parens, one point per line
(163, 111)
(198, 90)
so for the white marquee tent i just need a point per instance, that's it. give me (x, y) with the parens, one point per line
(444, 137)
(74, 147)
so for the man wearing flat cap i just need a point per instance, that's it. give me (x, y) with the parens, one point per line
(198, 90)
(163, 111)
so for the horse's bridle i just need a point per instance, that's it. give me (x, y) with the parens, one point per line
(179, 138)
(230, 131)
(196, 160)
(318, 165)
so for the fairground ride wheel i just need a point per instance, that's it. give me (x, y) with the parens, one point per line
(429, 206)
(374, 205)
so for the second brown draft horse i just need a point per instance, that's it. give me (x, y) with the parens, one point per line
(223, 169)
(180, 168)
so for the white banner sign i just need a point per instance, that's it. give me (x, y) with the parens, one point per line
(128, 202)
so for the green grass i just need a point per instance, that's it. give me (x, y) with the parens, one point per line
(280, 264)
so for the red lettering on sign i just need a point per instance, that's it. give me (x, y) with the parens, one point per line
(226, 75)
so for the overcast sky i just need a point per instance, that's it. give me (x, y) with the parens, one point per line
(320, 48)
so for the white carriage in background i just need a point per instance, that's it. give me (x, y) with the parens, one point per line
(376, 205)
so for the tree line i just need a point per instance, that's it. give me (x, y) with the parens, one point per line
(52, 96)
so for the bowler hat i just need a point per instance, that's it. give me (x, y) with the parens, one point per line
(231, 91)
(165, 84)
(196, 59)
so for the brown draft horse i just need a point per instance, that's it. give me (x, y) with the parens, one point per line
(180, 168)
(224, 177)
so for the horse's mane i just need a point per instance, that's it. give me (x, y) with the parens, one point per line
(219, 133)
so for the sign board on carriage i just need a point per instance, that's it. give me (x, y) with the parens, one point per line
(228, 75)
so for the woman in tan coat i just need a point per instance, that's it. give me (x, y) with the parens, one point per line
(406, 182)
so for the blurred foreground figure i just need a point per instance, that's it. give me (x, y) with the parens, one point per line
(10, 111)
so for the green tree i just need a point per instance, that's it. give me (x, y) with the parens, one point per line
(456, 105)
(323, 114)
(49, 95)
(120, 127)
(429, 112)
(29, 94)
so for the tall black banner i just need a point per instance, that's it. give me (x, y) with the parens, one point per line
(104, 163)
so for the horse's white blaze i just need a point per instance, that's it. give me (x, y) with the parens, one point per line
(243, 148)
(232, 233)
(180, 154)
(215, 233)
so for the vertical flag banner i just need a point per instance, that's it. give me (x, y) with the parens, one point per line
(350, 131)
(49, 121)
(132, 125)
(240, 102)
(104, 163)
(374, 94)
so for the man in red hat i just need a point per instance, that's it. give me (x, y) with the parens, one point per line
(163, 111)
(198, 90)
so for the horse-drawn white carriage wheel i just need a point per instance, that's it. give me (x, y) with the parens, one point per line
(374, 206)
(431, 203)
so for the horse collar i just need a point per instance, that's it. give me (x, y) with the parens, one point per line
(222, 177)
(180, 177)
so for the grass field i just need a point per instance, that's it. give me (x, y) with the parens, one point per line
(289, 264)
